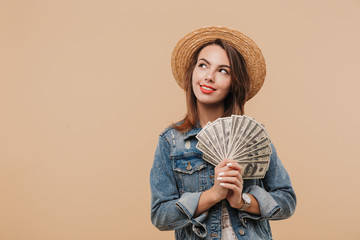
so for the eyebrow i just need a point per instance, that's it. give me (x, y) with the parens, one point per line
(210, 63)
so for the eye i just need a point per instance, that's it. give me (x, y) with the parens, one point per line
(222, 70)
(202, 65)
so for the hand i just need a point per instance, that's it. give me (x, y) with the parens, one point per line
(219, 192)
(229, 178)
(228, 184)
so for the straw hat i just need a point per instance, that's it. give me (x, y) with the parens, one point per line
(186, 47)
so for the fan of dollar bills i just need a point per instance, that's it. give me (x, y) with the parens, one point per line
(240, 138)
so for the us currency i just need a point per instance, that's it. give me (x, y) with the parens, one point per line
(252, 138)
(255, 132)
(240, 138)
(238, 127)
(240, 132)
(210, 160)
(212, 136)
(206, 142)
(250, 128)
(250, 146)
(207, 152)
(236, 122)
(202, 130)
(251, 170)
(216, 126)
(263, 159)
(254, 153)
(226, 128)
(254, 157)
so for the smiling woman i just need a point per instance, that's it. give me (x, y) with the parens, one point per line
(229, 65)
(211, 79)
(219, 69)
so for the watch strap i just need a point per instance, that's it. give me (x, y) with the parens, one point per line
(246, 202)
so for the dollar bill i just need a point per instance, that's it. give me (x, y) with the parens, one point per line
(265, 150)
(241, 138)
(207, 144)
(211, 135)
(226, 128)
(252, 170)
(210, 160)
(216, 126)
(255, 135)
(207, 152)
(238, 129)
(250, 146)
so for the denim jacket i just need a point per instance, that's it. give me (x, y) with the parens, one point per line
(178, 177)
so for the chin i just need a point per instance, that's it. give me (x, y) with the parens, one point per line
(208, 102)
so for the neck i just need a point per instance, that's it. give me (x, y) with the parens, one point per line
(209, 113)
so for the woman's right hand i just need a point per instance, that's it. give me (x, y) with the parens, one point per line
(220, 192)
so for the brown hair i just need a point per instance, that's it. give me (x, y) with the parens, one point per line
(234, 101)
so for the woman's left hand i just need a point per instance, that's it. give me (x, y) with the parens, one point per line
(233, 181)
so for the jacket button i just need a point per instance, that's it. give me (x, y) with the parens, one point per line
(187, 145)
(188, 167)
(242, 232)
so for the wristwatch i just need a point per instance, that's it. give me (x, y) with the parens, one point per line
(247, 201)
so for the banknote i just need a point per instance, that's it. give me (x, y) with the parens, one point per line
(207, 144)
(226, 128)
(216, 126)
(265, 150)
(238, 137)
(258, 134)
(251, 170)
(238, 130)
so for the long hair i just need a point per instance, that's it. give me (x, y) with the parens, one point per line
(234, 101)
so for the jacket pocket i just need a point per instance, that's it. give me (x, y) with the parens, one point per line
(260, 229)
(191, 173)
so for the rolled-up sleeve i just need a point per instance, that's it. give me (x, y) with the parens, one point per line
(169, 210)
(275, 195)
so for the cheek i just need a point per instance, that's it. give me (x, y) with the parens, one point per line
(193, 82)
(195, 76)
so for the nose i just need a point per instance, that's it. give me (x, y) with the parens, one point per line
(209, 76)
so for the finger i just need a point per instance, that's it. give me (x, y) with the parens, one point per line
(224, 176)
(231, 180)
(228, 165)
(231, 186)
(231, 173)
(224, 162)
(234, 165)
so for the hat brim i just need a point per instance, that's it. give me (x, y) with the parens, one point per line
(187, 46)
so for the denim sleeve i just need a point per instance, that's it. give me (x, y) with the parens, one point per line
(275, 195)
(169, 210)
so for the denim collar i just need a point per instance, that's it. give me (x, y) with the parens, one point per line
(192, 132)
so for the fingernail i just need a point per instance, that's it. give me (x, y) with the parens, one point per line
(229, 164)
(222, 184)
(220, 174)
(219, 178)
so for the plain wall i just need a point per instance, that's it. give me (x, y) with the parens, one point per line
(86, 87)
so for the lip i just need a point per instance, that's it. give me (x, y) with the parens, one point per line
(208, 90)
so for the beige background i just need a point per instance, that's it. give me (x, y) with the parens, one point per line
(86, 87)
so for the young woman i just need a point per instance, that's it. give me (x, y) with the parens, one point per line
(220, 69)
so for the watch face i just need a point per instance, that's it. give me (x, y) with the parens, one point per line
(246, 198)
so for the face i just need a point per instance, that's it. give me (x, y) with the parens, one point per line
(211, 76)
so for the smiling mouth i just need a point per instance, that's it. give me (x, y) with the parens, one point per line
(207, 89)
